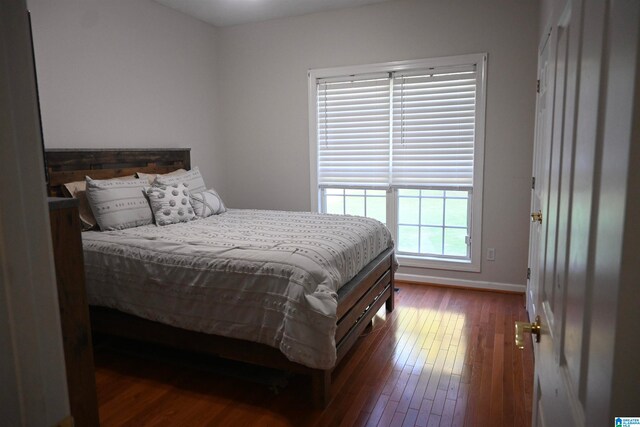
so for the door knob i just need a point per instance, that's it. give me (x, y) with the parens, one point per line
(536, 216)
(522, 327)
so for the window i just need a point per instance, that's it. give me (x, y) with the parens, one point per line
(433, 222)
(363, 202)
(403, 143)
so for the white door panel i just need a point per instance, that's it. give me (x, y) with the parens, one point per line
(583, 212)
(555, 395)
(613, 372)
(540, 165)
(585, 254)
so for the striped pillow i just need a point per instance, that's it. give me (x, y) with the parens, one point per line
(207, 203)
(117, 205)
(152, 176)
(78, 190)
(192, 180)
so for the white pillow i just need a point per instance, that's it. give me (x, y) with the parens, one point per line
(152, 176)
(78, 190)
(207, 203)
(118, 204)
(170, 204)
(192, 180)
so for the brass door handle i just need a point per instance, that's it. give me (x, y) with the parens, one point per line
(522, 327)
(536, 216)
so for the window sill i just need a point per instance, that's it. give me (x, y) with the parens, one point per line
(437, 263)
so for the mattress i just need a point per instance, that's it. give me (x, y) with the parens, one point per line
(266, 276)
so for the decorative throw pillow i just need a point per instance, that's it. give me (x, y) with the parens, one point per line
(78, 189)
(207, 203)
(170, 203)
(192, 180)
(152, 176)
(118, 204)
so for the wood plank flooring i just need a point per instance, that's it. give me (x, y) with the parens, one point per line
(444, 357)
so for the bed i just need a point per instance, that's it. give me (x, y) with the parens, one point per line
(365, 292)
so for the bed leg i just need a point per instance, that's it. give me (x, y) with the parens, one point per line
(390, 303)
(369, 326)
(321, 385)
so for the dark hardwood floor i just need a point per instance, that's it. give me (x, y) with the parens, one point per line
(443, 357)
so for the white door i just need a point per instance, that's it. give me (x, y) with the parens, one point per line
(551, 396)
(563, 264)
(540, 171)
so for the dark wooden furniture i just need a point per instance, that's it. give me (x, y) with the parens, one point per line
(74, 313)
(358, 300)
(68, 165)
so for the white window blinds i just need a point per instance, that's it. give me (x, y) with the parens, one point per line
(353, 131)
(402, 129)
(433, 128)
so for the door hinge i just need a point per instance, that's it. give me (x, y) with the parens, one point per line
(528, 273)
(538, 86)
(533, 182)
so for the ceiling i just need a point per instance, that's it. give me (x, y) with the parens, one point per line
(223, 13)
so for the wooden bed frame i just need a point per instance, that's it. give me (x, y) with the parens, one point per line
(358, 300)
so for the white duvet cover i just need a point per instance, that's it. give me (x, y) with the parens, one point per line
(265, 276)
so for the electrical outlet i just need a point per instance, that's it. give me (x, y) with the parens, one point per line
(491, 254)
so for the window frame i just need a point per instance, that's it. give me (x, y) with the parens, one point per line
(480, 59)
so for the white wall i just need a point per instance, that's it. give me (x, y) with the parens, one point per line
(263, 94)
(127, 73)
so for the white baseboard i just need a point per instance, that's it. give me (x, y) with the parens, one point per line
(475, 284)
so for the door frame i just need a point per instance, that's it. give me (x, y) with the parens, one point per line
(32, 365)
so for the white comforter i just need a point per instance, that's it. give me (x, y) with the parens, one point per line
(264, 276)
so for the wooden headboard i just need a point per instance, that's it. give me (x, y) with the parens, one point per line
(68, 165)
